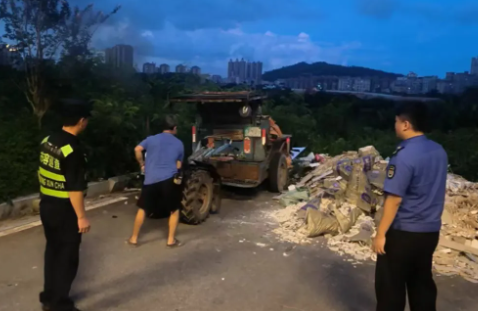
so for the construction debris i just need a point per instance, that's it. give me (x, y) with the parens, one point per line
(341, 199)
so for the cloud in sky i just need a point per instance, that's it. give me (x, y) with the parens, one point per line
(211, 48)
(464, 12)
(201, 14)
(425, 36)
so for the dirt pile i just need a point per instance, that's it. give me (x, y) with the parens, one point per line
(342, 197)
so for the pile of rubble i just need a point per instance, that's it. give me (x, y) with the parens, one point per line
(341, 199)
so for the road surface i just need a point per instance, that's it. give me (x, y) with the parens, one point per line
(220, 268)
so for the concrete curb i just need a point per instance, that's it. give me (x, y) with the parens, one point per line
(35, 222)
(28, 205)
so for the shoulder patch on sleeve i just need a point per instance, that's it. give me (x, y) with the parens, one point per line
(391, 171)
(397, 150)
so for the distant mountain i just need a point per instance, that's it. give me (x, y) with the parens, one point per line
(324, 69)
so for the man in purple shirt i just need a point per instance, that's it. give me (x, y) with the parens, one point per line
(161, 167)
(409, 231)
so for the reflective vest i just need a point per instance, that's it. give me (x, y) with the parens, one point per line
(52, 181)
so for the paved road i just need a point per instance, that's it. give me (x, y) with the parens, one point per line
(219, 268)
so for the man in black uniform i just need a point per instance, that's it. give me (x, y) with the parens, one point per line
(62, 177)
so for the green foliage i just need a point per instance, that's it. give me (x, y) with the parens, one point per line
(334, 124)
(324, 69)
(41, 30)
(18, 155)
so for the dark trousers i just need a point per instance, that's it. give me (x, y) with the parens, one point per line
(60, 225)
(406, 267)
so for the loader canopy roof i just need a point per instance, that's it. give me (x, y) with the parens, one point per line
(223, 108)
(219, 97)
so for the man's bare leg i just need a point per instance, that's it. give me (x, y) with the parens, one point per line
(138, 222)
(173, 225)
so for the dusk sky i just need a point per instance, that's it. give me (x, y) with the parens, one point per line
(428, 37)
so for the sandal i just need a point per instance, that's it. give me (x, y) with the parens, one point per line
(176, 243)
(128, 241)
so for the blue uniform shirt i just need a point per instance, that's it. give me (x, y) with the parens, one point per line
(417, 173)
(163, 151)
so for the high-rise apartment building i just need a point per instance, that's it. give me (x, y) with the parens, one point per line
(474, 66)
(241, 71)
(149, 68)
(181, 68)
(362, 84)
(346, 84)
(450, 76)
(195, 70)
(164, 68)
(120, 55)
(429, 84)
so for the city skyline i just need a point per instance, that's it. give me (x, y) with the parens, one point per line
(428, 37)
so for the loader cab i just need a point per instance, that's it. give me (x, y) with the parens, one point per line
(232, 135)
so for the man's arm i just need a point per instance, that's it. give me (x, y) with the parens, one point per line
(179, 160)
(75, 185)
(399, 176)
(78, 202)
(138, 153)
(390, 209)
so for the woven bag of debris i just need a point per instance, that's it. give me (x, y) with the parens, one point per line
(335, 186)
(376, 177)
(366, 161)
(358, 191)
(347, 216)
(314, 204)
(344, 168)
(319, 223)
(368, 151)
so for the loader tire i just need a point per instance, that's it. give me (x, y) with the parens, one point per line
(197, 197)
(216, 200)
(278, 173)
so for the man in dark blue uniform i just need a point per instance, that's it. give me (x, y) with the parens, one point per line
(62, 178)
(408, 233)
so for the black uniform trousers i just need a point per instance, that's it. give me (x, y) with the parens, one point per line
(62, 253)
(406, 267)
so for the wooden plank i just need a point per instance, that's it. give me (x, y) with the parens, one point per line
(457, 246)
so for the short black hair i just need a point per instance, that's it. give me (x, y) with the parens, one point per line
(170, 123)
(415, 112)
(73, 110)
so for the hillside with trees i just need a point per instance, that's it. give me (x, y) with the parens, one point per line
(324, 69)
